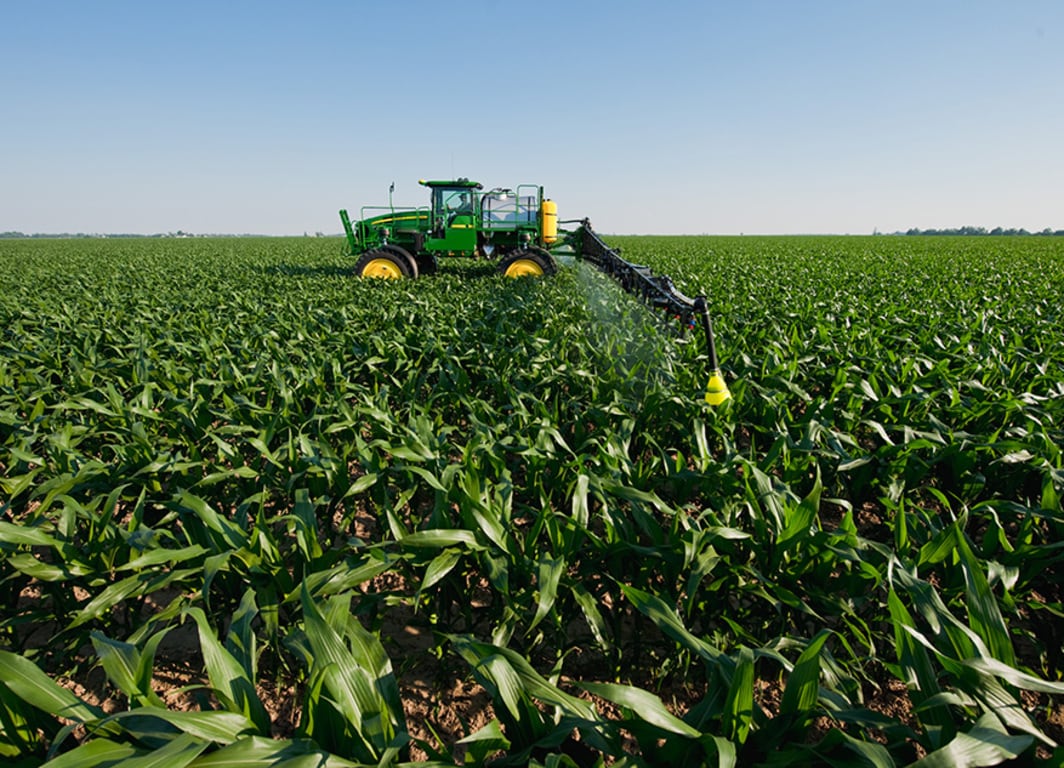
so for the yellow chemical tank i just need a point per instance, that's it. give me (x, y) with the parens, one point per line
(548, 216)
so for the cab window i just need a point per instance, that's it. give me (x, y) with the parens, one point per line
(454, 201)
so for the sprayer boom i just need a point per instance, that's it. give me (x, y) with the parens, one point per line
(657, 292)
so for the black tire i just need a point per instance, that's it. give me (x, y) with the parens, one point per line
(427, 264)
(530, 262)
(386, 262)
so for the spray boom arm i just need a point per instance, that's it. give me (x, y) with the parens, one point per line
(657, 292)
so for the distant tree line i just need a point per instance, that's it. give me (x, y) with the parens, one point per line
(996, 231)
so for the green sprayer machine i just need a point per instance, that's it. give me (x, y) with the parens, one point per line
(518, 229)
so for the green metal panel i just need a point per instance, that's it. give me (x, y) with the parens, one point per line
(453, 222)
(415, 220)
(401, 225)
(352, 241)
(459, 236)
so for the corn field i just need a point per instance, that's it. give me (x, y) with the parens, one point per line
(230, 458)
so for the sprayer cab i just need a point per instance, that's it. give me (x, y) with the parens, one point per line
(516, 227)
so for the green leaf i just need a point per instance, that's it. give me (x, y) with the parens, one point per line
(869, 754)
(359, 680)
(176, 754)
(984, 745)
(158, 724)
(228, 676)
(347, 575)
(532, 682)
(669, 622)
(484, 742)
(645, 705)
(738, 712)
(799, 520)
(549, 572)
(306, 517)
(161, 556)
(920, 676)
(27, 564)
(120, 591)
(984, 615)
(1014, 676)
(441, 538)
(726, 752)
(263, 752)
(940, 547)
(589, 607)
(34, 687)
(440, 566)
(21, 535)
(94, 753)
(509, 688)
(128, 668)
(362, 484)
(241, 641)
(802, 690)
(231, 534)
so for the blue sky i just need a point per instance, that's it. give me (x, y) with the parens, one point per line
(646, 117)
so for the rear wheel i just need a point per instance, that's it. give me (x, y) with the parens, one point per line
(527, 263)
(390, 264)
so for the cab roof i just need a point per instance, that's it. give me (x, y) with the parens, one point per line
(462, 182)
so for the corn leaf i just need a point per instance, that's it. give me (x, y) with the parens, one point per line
(96, 752)
(984, 745)
(228, 677)
(178, 753)
(738, 712)
(644, 705)
(33, 686)
(263, 752)
(802, 689)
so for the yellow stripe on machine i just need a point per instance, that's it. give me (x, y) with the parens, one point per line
(395, 219)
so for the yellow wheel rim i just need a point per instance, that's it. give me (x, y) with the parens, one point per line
(382, 268)
(523, 268)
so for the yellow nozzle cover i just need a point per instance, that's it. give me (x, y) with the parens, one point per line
(717, 391)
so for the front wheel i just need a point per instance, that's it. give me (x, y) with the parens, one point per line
(527, 263)
(390, 264)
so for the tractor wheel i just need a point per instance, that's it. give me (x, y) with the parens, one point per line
(390, 263)
(533, 263)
